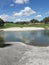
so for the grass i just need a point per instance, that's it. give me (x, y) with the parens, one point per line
(8, 25)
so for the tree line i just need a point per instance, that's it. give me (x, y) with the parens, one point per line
(45, 20)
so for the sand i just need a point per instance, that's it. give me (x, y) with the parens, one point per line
(22, 29)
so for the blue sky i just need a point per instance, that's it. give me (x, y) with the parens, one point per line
(23, 10)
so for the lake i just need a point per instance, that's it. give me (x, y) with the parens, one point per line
(36, 38)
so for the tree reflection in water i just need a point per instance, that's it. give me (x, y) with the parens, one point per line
(38, 38)
(1, 39)
(46, 33)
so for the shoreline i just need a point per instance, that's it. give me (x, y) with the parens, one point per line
(22, 29)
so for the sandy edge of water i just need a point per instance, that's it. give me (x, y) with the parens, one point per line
(22, 29)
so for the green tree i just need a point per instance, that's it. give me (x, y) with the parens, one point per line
(1, 22)
(34, 21)
(46, 20)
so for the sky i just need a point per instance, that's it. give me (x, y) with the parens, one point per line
(23, 10)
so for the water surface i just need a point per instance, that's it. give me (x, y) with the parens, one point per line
(37, 38)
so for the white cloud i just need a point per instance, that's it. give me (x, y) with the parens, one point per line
(11, 5)
(47, 12)
(21, 1)
(38, 16)
(18, 20)
(26, 12)
(21, 20)
(4, 17)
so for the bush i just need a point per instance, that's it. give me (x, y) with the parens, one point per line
(1, 22)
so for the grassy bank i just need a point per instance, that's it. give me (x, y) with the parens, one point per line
(8, 25)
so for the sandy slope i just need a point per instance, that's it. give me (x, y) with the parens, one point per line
(23, 29)
(21, 54)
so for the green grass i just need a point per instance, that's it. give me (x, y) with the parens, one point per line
(8, 25)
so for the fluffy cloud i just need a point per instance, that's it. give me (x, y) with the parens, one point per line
(18, 20)
(26, 12)
(21, 1)
(47, 12)
(21, 20)
(11, 5)
(4, 17)
(38, 16)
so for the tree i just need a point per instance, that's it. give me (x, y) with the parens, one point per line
(1, 22)
(34, 21)
(46, 20)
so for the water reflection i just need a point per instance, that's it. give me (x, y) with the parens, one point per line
(37, 38)
(46, 33)
(1, 39)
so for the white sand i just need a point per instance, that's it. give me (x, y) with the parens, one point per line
(22, 29)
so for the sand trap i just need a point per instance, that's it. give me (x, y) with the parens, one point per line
(23, 29)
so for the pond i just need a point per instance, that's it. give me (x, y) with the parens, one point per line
(36, 38)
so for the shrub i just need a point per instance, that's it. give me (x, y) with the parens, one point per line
(1, 22)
